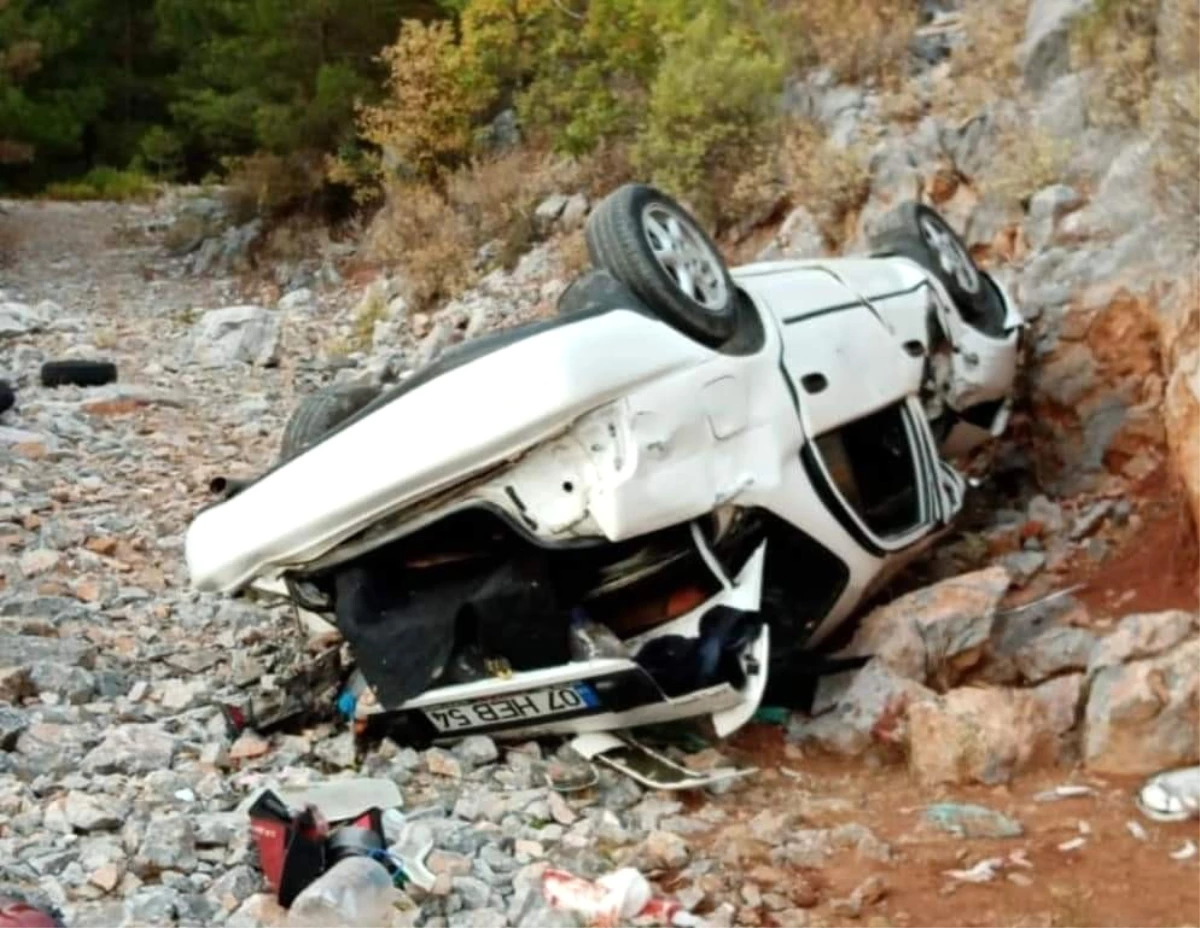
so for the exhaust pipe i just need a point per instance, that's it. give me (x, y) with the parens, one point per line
(228, 487)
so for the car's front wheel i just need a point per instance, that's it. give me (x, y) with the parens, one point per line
(656, 248)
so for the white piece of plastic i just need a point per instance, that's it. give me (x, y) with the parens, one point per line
(356, 892)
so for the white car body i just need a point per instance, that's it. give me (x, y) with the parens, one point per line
(614, 425)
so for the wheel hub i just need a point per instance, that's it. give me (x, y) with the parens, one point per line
(685, 256)
(950, 254)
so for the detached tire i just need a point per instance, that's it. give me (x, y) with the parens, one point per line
(319, 413)
(7, 396)
(914, 230)
(78, 373)
(656, 248)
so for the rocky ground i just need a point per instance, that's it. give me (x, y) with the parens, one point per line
(119, 780)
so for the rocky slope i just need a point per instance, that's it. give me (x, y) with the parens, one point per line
(118, 780)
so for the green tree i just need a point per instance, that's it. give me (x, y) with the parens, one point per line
(276, 75)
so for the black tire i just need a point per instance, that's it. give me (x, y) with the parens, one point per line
(902, 232)
(618, 242)
(312, 419)
(319, 412)
(78, 373)
(8, 396)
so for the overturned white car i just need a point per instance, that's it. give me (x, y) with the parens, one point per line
(647, 507)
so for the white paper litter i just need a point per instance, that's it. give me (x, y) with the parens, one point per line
(1073, 845)
(1188, 850)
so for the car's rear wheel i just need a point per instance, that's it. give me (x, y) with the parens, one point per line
(916, 231)
(314, 417)
(656, 248)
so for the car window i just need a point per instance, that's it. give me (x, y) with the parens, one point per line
(871, 463)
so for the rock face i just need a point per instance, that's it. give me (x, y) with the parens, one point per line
(19, 319)
(1142, 717)
(1045, 53)
(936, 633)
(235, 335)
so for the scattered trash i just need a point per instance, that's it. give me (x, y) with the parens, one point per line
(357, 892)
(772, 715)
(648, 767)
(340, 800)
(15, 913)
(986, 870)
(1073, 845)
(982, 872)
(1065, 791)
(1137, 830)
(412, 850)
(1173, 796)
(614, 899)
(972, 821)
(1188, 850)
(1084, 828)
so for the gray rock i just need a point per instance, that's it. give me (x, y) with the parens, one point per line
(72, 684)
(477, 750)
(664, 849)
(1144, 634)
(1046, 207)
(1141, 716)
(1023, 566)
(301, 298)
(235, 335)
(504, 132)
(338, 751)
(19, 319)
(548, 211)
(168, 844)
(86, 812)
(478, 918)
(16, 650)
(799, 237)
(1061, 110)
(12, 723)
(234, 887)
(474, 892)
(574, 212)
(869, 710)
(1058, 650)
(131, 750)
(151, 905)
(1045, 53)
(1119, 203)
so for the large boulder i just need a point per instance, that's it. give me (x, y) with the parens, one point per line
(798, 237)
(978, 735)
(937, 633)
(1142, 716)
(235, 335)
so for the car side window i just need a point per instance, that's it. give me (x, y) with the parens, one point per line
(872, 465)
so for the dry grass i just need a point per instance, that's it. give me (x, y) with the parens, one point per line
(435, 237)
(272, 185)
(1177, 166)
(1116, 40)
(856, 39)
(831, 184)
(984, 68)
(1023, 162)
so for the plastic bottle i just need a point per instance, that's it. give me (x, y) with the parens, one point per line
(357, 892)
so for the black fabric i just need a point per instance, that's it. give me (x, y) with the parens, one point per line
(404, 627)
(682, 665)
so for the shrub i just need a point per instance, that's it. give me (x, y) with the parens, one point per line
(830, 183)
(711, 101)
(104, 183)
(271, 186)
(1023, 162)
(984, 67)
(426, 123)
(1117, 41)
(855, 39)
(161, 151)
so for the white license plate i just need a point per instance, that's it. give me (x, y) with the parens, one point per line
(498, 710)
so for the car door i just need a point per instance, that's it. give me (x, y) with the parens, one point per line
(868, 450)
